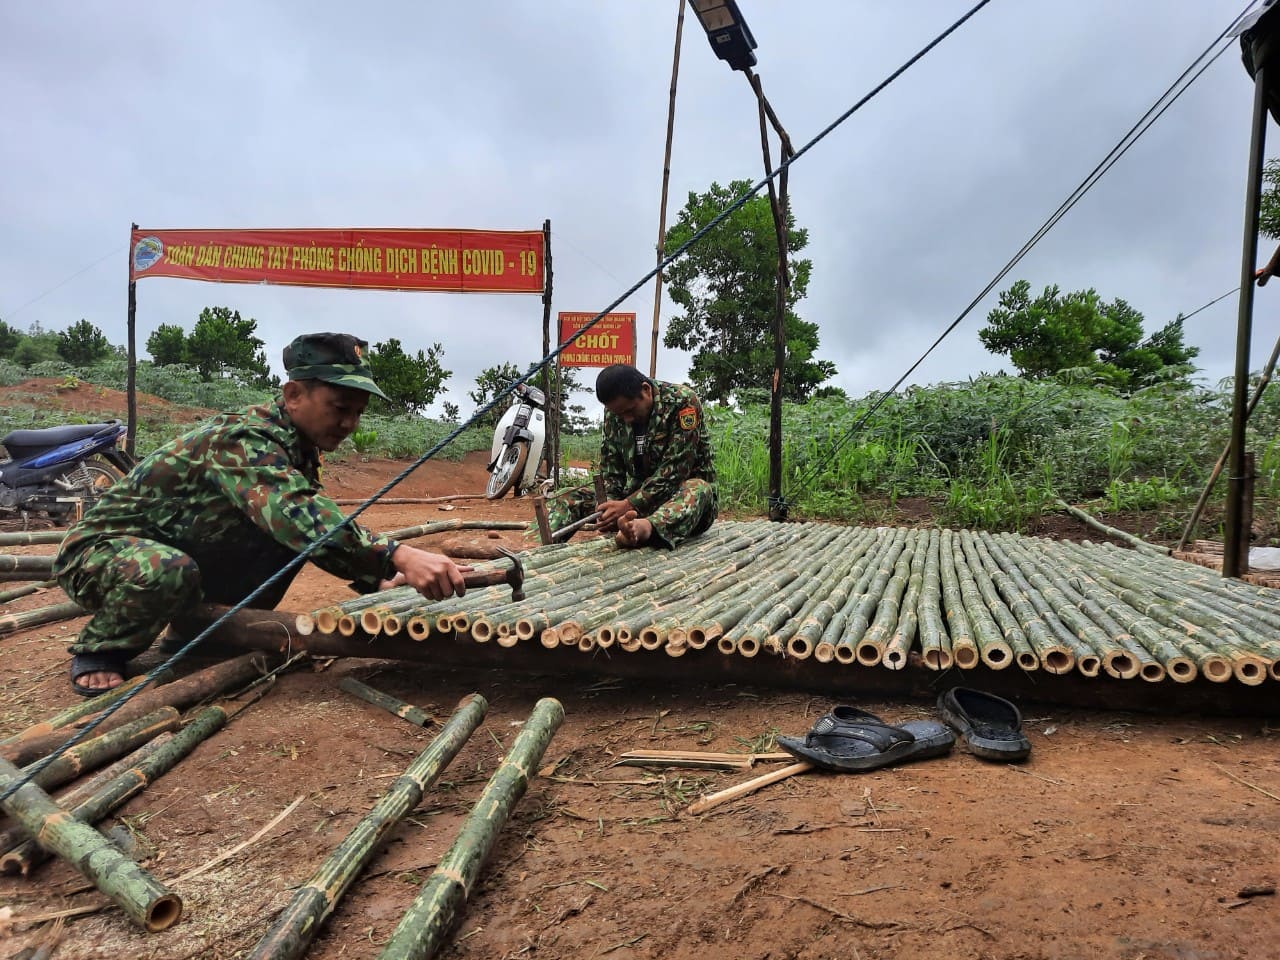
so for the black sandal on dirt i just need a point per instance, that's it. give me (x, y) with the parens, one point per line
(850, 740)
(102, 662)
(990, 725)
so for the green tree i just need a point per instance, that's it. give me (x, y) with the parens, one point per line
(489, 383)
(9, 339)
(411, 383)
(168, 345)
(36, 347)
(726, 284)
(1057, 331)
(1269, 207)
(573, 416)
(222, 342)
(83, 344)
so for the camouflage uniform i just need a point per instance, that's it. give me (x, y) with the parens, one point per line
(673, 485)
(210, 515)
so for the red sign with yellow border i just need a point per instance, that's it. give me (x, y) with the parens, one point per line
(457, 261)
(612, 340)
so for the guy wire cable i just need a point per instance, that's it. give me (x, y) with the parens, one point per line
(34, 769)
(1154, 112)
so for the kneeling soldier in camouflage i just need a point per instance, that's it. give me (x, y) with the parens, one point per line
(655, 460)
(215, 513)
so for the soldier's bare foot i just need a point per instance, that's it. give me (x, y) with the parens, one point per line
(95, 673)
(633, 531)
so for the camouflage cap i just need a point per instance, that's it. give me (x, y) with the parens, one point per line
(336, 358)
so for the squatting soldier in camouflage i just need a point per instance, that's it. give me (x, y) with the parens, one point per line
(655, 460)
(216, 512)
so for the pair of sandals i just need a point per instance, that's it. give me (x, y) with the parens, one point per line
(850, 740)
(117, 661)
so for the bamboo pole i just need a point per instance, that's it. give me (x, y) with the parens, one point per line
(1095, 524)
(423, 928)
(17, 593)
(964, 651)
(869, 650)
(11, 563)
(935, 642)
(742, 789)
(14, 622)
(899, 645)
(443, 526)
(96, 751)
(143, 899)
(408, 501)
(73, 713)
(405, 711)
(315, 900)
(27, 538)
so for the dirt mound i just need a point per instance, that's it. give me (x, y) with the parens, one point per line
(93, 402)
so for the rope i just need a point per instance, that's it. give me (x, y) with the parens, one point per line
(1119, 150)
(34, 769)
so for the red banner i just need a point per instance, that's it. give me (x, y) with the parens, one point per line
(459, 261)
(612, 340)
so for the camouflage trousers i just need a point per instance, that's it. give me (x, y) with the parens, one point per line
(691, 511)
(134, 587)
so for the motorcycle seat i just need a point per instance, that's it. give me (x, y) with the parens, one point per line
(48, 437)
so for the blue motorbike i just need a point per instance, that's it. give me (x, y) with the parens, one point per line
(59, 472)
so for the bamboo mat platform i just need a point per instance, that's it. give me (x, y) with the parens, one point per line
(1208, 553)
(846, 609)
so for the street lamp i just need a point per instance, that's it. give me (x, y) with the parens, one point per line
(729, 34)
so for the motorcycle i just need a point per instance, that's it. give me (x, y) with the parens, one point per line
(61, 471)
(517, 444)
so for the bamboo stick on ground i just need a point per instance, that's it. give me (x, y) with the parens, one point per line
(13, 622)
(742, 789)
(96, 751)
(315, 900)
(1092, 522)
(13, 563)
(143, 899)
(441, 526)
(17, 593)
(423, 928)
(405, 711)
(27, 538)
(73, 713)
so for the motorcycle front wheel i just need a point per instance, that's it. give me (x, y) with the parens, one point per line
(507, 471)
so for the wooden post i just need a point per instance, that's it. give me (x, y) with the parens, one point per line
(540, 514)
(1246, 512)
(550, 377)
(131, 377)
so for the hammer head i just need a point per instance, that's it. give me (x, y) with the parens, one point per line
(515, 575)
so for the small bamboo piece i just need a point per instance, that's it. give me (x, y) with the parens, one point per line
(741, 790)
(405, 711)
(423, 928)
(14, 622)
(315, 900)
(17, 593)
(28, 538)
(11, 563)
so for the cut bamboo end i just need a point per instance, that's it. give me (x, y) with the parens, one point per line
(869, 653)
(418, 628)
(1216, 669)
(482, 630)
(1028, 661)
(1120, 665)
(550, 638)
(327, 620)
(570, 632)
(163, 913)
(371, 622)
(1089, 665)
(965, 656)
(587, 642)
(697, 638)
(347, 625)
(631, 646)
(443, 623)
(727, 646)
(1180, 670)
(1058, 660)
(652, 635)
(392, 624)
(937, 659)
(824, 652)
(524, 629)
(606, 637)
(1152, 672)
(997, 656)
(461, 622)
(507, 640)
(1249, 669)
(800, 648)
(1275, 670)
(894, 659)
(845, 653)
(679, 635)
(305, 624)
(675, 649)
(748, 646)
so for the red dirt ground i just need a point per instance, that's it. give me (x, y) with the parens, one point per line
(1125, 836)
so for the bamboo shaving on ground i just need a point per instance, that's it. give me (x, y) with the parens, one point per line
(228, 854)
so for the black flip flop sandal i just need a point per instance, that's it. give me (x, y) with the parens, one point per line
(106, 661)
(991, 725)
(850, 740)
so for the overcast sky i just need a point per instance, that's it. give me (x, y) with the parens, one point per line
(500, 114)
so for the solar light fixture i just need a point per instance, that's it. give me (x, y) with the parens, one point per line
(728, 33)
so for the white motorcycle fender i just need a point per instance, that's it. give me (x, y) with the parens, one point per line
(538, 427)
(507, 419)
